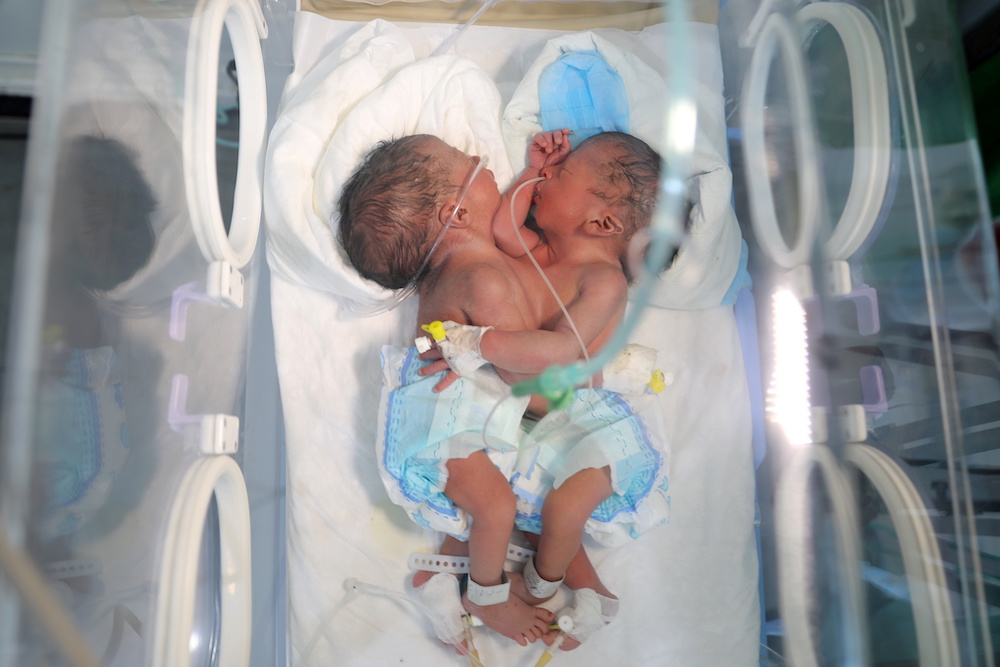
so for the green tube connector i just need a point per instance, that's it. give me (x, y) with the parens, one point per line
(555, 384)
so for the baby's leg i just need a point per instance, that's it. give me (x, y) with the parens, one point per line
(564, 513)
(479, 488)
(579, 574)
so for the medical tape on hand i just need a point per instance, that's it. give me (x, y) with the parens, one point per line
(461, 347)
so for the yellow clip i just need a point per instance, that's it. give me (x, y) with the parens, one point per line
(435, 329)
(473, 653)
(656, 383)
(549, 652)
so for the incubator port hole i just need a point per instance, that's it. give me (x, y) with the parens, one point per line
(206, 628)
(227, 130)
(779, 142)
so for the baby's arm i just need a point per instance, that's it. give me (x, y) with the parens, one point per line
(547, 148)
(478, 295)
(599, 305)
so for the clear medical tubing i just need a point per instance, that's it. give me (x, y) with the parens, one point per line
(444, 46)
(680, 121)
(356, 589)
(534, 262)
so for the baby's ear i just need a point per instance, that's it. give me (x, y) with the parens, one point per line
(461, 216)
(608, 225)
(445, 212)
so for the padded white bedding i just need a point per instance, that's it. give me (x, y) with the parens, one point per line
(688, 589)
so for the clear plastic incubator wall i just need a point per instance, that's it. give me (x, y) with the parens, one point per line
(191, 385)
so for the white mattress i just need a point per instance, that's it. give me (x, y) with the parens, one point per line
(688, 590)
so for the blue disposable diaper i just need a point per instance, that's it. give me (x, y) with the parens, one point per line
(82, 438)
(582, 92)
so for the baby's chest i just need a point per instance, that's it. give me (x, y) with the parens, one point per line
(548, 295)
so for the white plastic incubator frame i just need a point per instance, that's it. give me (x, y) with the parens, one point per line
(215, 475)
(244, 22)
(775, 35)
(872, 132)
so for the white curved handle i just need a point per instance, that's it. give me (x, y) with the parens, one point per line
(244, 22)
(217, 476)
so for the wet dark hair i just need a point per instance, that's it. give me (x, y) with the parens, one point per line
(383, 206)
(632, 175)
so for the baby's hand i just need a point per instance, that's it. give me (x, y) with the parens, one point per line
(437, 367)
(548, 148)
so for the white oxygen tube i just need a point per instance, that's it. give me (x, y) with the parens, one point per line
(680, 127)
(562, 307)
(454, 37)
(534, 262)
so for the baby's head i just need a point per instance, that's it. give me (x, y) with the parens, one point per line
(627, 174)
(388, 206)
(611, 179)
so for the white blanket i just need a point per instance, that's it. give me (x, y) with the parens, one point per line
(688, 590)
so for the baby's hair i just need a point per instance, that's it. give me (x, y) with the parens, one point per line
(633, 178)
(382, 208)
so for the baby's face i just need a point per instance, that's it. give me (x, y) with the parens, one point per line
(483, 195)
(566, 199)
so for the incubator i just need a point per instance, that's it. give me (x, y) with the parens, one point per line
(191, 386)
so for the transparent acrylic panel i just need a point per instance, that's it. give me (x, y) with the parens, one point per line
(897, 291)
(130, 338)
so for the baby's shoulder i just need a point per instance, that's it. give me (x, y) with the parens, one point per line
(473, 281)
(609, 273)
(485, 281)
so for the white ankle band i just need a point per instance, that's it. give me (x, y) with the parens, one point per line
(439, 563)
(484, 596)
(460, 564)
(538, 587)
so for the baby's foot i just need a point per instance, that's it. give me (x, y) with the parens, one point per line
(512, 618)
(590, 612)
(441, 596)
(421, 577)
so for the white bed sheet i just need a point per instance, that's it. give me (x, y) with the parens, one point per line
(688, 590)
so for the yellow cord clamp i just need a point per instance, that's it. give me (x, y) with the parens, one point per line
(657, 382)
(435, 329)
